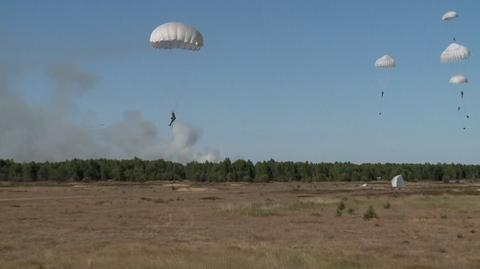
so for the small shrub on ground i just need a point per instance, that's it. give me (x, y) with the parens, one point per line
(351, 211)
(387, 205)
(370, 213)
(340, 208)
(339, 212)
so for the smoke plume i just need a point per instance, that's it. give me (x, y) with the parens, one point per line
(47, 132)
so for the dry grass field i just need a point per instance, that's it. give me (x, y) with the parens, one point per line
(239, 225)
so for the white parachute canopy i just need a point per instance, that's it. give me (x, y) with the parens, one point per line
(386, 61)
(449, 15)
(398, 182)
(454, 52)
(458, 79)
(176, 35)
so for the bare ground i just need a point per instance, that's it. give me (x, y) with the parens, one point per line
(238, 225)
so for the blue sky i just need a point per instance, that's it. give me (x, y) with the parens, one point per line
(276, 79)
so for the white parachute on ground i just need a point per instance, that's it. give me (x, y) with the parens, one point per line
(458, 79)
(449, 15)
(176, 35)
(454, 52)
(386, 61)
(398, 182)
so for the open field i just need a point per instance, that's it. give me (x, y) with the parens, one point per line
(239, 225)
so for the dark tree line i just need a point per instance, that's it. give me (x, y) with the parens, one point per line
(226, 170)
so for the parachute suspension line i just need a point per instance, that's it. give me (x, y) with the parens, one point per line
(381, 90)
(465, 111)
(179, 96)
(460, 109)
(387, 86)
(380, 110)
(463, 96)
(384, 87)
(175, 106)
